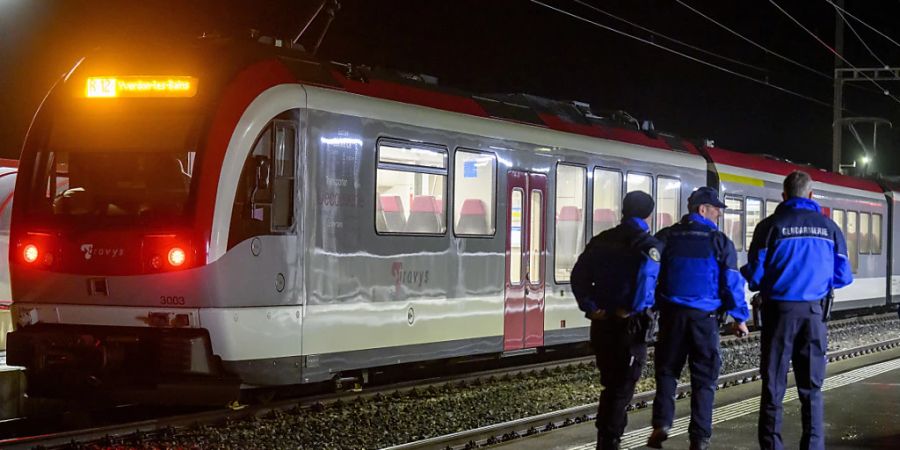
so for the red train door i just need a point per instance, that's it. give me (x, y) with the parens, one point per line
(523, 315)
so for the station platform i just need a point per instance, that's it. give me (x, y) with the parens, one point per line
(861, 412)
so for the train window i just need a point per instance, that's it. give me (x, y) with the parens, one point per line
(534, 232)
(639, 182)
(251, 214)
(474, 186)
(607, 199)
(570, 200)
(852, 236)
(864, 232)
(733, 223)
(515, 237)
(876, 234)
(770, 207)
(409, 188)
(754, 215)
(837, 216)
(283, 183)
(668, 198)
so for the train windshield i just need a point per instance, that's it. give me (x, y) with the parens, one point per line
(110, 166)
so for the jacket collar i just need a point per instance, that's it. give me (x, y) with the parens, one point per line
(799, 203)
(635, 222)
(696, 217)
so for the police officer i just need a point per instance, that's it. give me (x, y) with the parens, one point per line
(796, 259)
(613, 282)
(698, 280)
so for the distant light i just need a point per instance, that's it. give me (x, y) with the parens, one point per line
(865, 160)
(140, 86)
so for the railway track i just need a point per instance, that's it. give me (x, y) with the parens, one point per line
(166, 424)
(529, 426)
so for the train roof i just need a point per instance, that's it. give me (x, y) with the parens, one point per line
(775, 166)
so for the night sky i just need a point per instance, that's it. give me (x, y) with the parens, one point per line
(512, 46)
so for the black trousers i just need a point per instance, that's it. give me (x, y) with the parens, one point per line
(692, 335)
(620, 357)
(793, 332)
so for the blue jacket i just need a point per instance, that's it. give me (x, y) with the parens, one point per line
(797, 254)
(699, 268)
(618, 269)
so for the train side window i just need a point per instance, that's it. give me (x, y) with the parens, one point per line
(876, 234)
(515, 237)
(754, 216)
(283, 182)
(770, 207)
(852, 236)
(864, 232)
(409, 188)
(668, 199)
(837, 216)
(251, 214)
(570, 200)
(536, 237)
(474, 187)
(639, 182)
(607, 199)
(734, 221)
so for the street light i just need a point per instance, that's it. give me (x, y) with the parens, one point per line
(865, 161)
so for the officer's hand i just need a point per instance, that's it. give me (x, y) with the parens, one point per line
(740, 329)
(599, 314)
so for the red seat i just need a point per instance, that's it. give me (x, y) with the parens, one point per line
(423, 216)
(569, 236)
(664, 220)
(389, 216)
(472, 218)
(604, 219)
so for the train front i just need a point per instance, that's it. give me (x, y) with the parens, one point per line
(107, 251)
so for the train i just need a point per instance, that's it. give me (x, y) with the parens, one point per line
(196, 220)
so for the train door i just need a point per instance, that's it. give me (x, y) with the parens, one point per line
(523, 316)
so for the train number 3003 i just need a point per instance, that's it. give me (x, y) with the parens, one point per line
(171, 300)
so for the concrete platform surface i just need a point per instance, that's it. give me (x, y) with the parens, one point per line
(862, 411)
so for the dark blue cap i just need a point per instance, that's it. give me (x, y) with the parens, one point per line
(705, 196)
(637, 204)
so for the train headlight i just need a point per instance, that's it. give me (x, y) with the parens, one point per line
(177, 256)
(30, 253)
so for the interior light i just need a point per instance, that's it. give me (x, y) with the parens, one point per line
(30, 253)
(140, 86)
(176, 256)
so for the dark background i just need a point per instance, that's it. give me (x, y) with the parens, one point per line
(517, 46)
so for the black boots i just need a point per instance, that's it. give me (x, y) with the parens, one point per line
(657, 437)
(699, 443)
(608, 443)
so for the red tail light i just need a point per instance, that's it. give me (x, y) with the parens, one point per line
(30, 253)
(176, 256)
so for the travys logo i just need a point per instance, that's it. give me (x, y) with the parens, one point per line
(409, 277)
(110, 252)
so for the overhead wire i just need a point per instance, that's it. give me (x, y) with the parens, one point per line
(833, 51)
(861, 40)
(683, 55)
(754, 43)
(768, 50)
(863, 22)
(669, 38)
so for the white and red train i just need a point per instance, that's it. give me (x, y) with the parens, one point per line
(233, 213)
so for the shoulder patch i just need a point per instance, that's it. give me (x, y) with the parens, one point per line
(653, 253)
